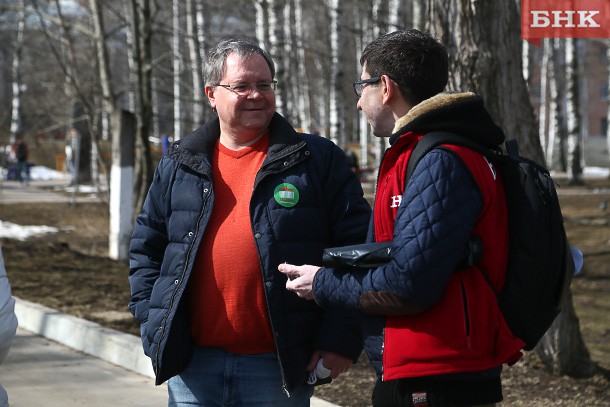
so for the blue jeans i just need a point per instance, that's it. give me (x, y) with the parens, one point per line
(217, 378)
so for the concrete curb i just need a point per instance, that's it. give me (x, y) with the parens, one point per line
(88, 337)
(116, 347)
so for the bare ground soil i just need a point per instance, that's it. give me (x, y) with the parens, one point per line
(69, 271)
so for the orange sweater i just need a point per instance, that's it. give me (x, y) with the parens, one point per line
(226, 296)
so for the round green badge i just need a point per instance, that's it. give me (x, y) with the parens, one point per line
(286, 195)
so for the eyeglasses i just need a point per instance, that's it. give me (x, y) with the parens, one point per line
(243, 89)
(361, 83)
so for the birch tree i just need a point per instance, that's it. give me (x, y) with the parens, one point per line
(290, 88)
(574, 119)
(302, 82)
(262, 23)
(109, 106)
(16, 117)
(394, 9)
(543, 118)
(363, 37)
(555, 150)
(177, 66)
(194, 35)
(335, 119)
(141, 31)
(277, 39)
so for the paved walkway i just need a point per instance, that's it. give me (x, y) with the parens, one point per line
(41, 191)
(58, 360)
(40, 372)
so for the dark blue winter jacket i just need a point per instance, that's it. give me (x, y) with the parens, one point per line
(330, 210)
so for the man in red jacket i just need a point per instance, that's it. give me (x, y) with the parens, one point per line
(435, 333)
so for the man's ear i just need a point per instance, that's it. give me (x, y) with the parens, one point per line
(209, 92)
(389, 89)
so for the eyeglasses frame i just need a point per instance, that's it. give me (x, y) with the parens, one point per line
(272, 83)
(360, 84)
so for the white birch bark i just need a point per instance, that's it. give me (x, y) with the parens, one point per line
(131, 97)
(418, 14)
(262, 23)
(108, 98)
(334, 119)
(192, 35)
(177, 66)
(525, 56)
(362, 38)
(394, 8)
(289, 87)
(553, 126)
(559, 160)
(302, 96)
(542, 107)
(16, 124)
(574, 169)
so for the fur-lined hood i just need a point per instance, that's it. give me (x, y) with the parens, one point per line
(461, 113)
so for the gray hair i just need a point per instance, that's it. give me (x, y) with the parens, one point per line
(215, 66)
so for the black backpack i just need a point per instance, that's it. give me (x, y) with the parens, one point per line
(540, 264)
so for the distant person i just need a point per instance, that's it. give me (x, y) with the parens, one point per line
(434, 332)
(165, 141)
(21, 154)
(8, 321)
(229, 203)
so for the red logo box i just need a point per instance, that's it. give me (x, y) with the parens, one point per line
(564, 19)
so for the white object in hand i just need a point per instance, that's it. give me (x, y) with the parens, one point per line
(321, 371)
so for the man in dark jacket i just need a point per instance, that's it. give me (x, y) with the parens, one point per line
(227, 205)
(435, 334)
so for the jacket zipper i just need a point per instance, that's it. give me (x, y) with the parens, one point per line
(275, 338)
(466, 314)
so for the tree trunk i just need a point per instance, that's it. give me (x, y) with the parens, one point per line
(262, 23)
(562, 349)
(336, 76)
(394, 8)
(16, 122)
(303, 101)
(362, 38)
(556, 157)
(289, 85)
(485, 56)
(141, 33)
(575, 170)
(109, 107)
(177, 66)
(196, 66)
(543, 109)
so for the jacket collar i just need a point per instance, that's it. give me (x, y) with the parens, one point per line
(202, 140)
(461, 113)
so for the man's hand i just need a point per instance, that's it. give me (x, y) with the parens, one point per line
(336, 363)
(300, 279)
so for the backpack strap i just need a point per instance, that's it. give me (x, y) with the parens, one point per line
(429, 142)
(432, 140)
(512, 148)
